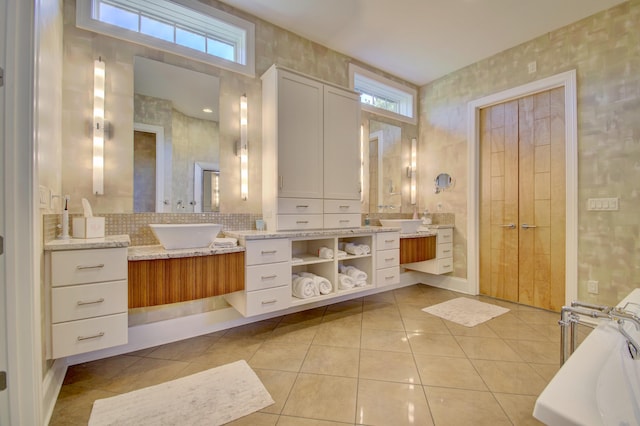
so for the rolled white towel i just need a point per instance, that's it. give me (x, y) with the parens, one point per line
(360, 283)
(345, 282)
(354, 249)
(304, 287)
(324, 285)
(325, 253)
(341, 253)
(365, 248)
(316, 280)
(356, 274)
(225, 242)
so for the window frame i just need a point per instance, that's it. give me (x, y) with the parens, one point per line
(385, 88)
(244, 50)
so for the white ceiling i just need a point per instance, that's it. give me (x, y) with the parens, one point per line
(421, 40)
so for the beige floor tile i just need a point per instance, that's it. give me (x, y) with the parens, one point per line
(354, 305)
(279, 356)
(510, 377)
(323, 397)
(228, 350)
(74, 405)
(353, 317)
(183, 350)
(256, 419)
(518, 331)
(426, 324)
(96, 374)
(448, 372)
(538, 317)
(300, 333)
(546, 371)
(145, 372)
(299, 421)
(380, 306)
(278, 384)
(464, 407)
(332, 361)
(257, 330)
(487, 348)
(307, 316)
(388, 366)
(480, 330)
(382, 320)
(385, 340)
(384, 403)
(435, 344)
(387, 296)
(538, 352)
(519, 408)
(413, 310)
(341, 335)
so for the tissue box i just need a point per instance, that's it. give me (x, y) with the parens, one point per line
(88, 227)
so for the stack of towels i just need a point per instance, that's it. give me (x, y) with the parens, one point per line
(327, 253)
(306, 284)
(350, 277)
(355, 249)
(224, 242)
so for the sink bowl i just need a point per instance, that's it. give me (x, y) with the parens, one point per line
(407, 226)
(185, 235)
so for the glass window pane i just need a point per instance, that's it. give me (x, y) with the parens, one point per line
(221, 49)
(156, 28)
(190, 39)
(117, 16)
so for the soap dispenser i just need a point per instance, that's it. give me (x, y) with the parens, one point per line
(426, 219)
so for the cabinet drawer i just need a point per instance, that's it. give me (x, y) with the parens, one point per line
(342, 220)
(299, 205)
(445, 236)
(296, 222)
(268, 251)
(387, 276)
(444, 250)
(88, 300)
(88, 266)
(387, 258)
(342, 206)
(76, 337)
(273, 299)
(260, 277)
(387, 240)
(444, 265)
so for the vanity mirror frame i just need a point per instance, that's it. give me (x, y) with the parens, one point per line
(443, 182)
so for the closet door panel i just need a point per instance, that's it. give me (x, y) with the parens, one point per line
(526, 198)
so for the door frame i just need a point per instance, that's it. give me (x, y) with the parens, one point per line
(568, 81)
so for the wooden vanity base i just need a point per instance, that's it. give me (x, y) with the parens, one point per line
(162, 281)
(417, 249)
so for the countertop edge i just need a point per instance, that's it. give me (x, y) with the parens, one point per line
(111, 241)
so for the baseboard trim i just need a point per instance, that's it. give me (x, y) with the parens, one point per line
(461, 285)
(51, 386)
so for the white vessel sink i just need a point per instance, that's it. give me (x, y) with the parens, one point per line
(185, 235)
(407, 226)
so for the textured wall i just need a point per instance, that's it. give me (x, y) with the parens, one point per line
(605, 51)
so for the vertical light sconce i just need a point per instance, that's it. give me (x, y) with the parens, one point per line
(411, 170)
(98, 126)
(361, 162)
(244, 150)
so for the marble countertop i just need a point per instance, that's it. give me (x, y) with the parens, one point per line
(159, 252)
(419, 234)
(263, 235)
(110, 241)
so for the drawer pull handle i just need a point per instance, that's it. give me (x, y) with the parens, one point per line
(269, 251)
(344, 207)
(389, 241)
(302, 206)
(92, 302)
(98, 266)
(269, 302)
(389, 277)
(446, 251)
(446, 266)
(302, 221)
(389, 259)
(344, 221)
(95, 336)
(269, 277)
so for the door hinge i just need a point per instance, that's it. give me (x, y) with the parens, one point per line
(1, 77)
(3, 380)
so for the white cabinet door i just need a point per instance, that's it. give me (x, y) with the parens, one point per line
(300, 134)
(341, 144)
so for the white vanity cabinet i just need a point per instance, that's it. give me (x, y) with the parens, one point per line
(88, 299)
(310, 151)
(387, 258)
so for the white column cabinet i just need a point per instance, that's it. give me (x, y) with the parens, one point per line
(311, 152)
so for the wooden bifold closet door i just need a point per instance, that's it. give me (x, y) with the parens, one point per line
(522, 200)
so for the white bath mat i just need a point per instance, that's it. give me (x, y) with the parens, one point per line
(466, 311)
(212, 397)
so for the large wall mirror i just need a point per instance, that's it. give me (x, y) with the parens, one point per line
(385, 167)
(176, 161)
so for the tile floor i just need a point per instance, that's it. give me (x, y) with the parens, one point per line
(377, 360)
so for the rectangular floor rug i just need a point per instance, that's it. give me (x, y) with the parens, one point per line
(466, 311)
(213, 397)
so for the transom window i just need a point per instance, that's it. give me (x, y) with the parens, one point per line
(185, 27)
(382, 95)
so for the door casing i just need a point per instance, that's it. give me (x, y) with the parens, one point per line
(568, 81)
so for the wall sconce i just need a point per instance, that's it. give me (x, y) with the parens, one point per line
(98, 126)
(243, 150)
(411, 170)
(361, 163)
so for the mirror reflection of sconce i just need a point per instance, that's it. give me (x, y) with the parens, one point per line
(411, 170)
(443, 182)
(243, 150)
(98, 126)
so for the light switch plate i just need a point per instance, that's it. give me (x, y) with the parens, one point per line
(603, 204)
(592, 286)
(44, 197)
